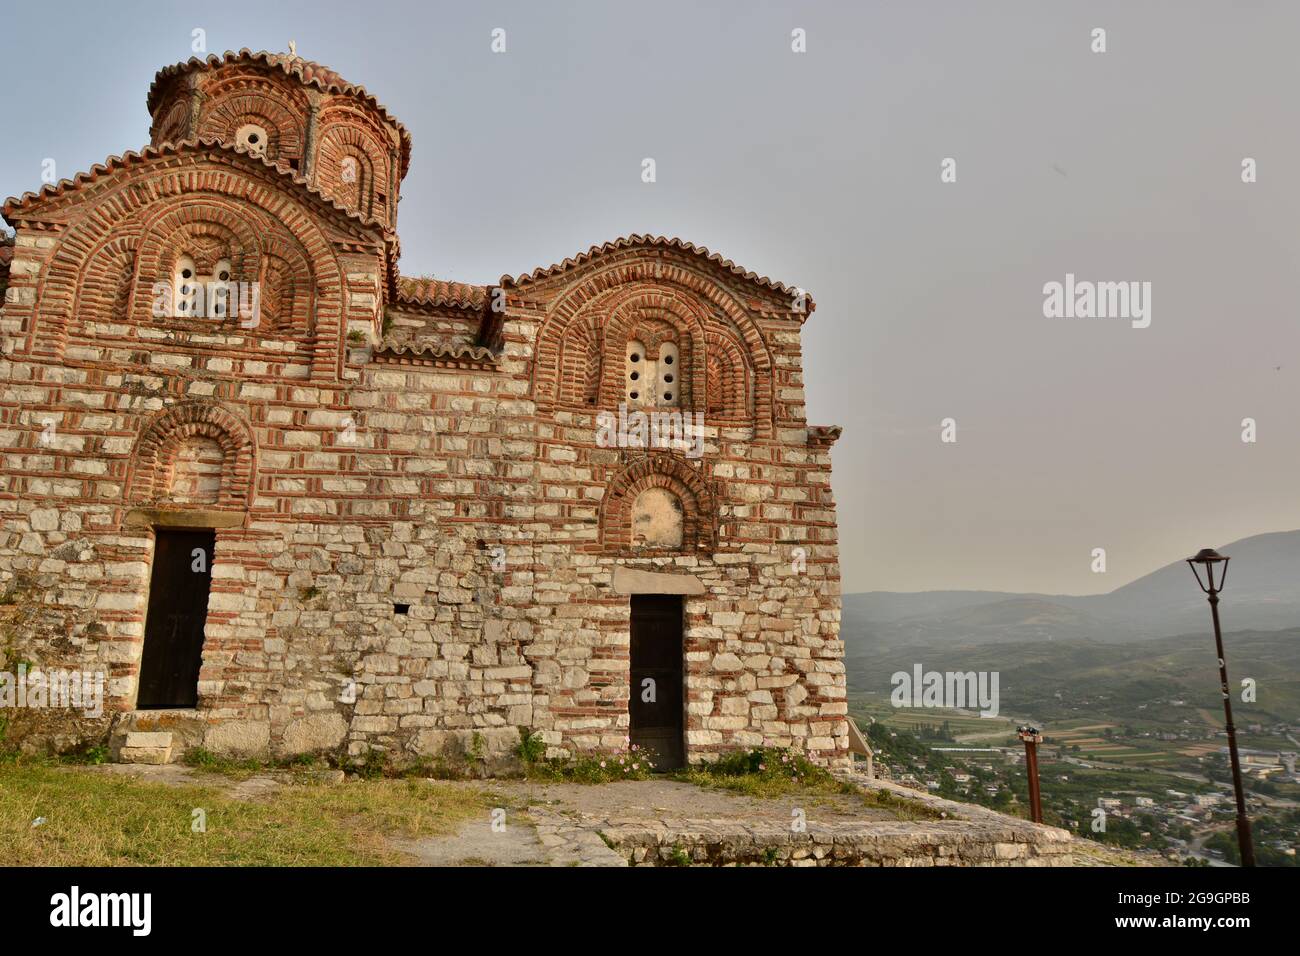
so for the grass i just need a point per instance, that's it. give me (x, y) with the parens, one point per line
(767, 773)
(375, 765)
(96, 818)
(900, 807)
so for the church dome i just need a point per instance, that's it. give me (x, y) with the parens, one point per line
(299, 114)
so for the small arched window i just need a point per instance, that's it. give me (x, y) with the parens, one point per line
(185, 287)
(639, 375)
(197, 296)
(652, 380)
(219, 288)
(252, 138)
(667, 384)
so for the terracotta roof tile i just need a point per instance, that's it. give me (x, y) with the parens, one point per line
(309, 72)
(637, 239)
(430, 291)
(471, 356)
(130, 158)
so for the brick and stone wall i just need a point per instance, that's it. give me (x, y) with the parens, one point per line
(421, 542)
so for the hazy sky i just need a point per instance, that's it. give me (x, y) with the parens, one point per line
(822, 169)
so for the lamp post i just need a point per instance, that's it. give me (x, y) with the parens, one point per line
(1208, 558)
(1032, 739)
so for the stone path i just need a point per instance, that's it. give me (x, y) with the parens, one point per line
(477, 844)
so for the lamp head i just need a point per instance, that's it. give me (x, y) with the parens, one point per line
(1209, 559)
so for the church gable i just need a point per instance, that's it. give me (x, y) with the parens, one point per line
(657, 324)
(196, 240)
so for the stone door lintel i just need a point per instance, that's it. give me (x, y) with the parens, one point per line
(166, 518)
(633, 581)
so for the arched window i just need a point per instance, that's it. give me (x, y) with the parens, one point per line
(201, 296)
(639, 384)
(666, 386)
(219, 290)
(185, 287)
(253, 138)
(653, 380)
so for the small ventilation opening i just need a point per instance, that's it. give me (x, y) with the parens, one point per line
(401, 609)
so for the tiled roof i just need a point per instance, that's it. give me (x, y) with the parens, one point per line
(430, 291)
(462, 356)
(130, 158)
(309, 72)
(636, 240)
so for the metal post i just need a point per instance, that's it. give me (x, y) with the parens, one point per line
(1032, 738)
(1244, 842)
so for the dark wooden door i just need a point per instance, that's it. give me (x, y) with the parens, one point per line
(173, 627)
(656, 705)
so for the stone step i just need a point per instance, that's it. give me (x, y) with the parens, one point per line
(142, 747)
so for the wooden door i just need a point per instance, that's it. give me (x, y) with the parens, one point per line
(173, 627)
(656, 704)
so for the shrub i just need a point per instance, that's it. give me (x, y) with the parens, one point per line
(635, 763)
(531, 747)
(765, 771)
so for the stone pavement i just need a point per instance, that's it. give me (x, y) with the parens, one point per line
(661, 822)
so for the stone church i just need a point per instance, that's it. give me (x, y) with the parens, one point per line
(279, 498)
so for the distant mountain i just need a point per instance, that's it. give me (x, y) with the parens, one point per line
(1053, 681)
(1263, 593)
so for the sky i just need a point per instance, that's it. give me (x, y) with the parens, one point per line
(823, 169)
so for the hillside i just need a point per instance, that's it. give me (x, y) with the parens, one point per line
(1263, 593)
(1050, 681)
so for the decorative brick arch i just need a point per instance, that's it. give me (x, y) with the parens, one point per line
(174, 124)
(579, 365)
(185, 184)
(729, 378)
(258, 247)
(106, 283)
(700, 295)
(154, 458)
(277, 107)
(175, 227)
(345, 132)
(699, 507)
(642, 304)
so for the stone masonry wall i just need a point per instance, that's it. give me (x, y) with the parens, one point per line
(423, 541)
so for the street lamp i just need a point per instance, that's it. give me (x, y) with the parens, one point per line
(1208, 558)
